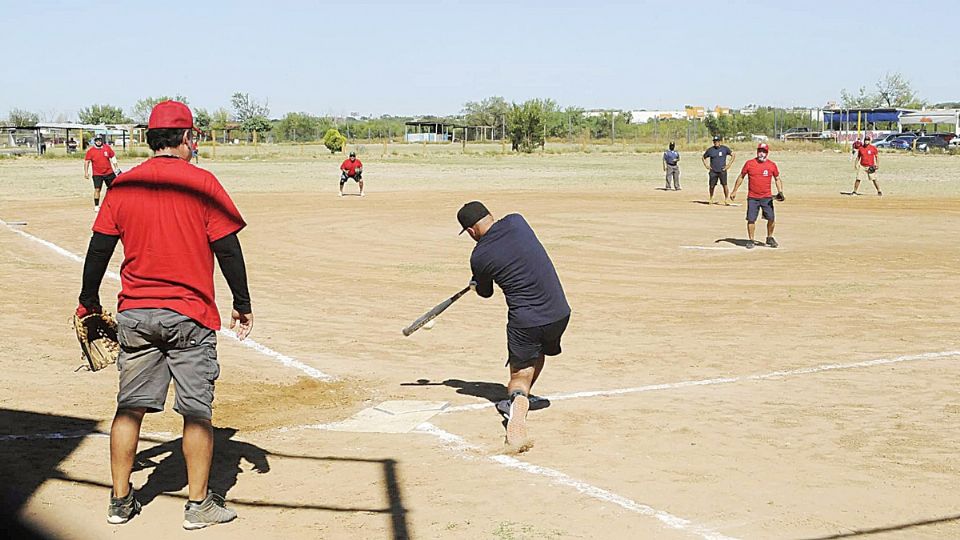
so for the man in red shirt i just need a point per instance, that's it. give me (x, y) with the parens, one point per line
(868, 161)
(759, 197)
(101, 158)
(172, 218)
(351, 168)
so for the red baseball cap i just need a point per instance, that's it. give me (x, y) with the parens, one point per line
(171, 114)
(762, 147)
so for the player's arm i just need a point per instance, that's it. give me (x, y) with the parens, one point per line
(114, 164)
(664, 163)
(95, 264)
(733, 194)
(86, 169)
(706, 163)
(776, 180)
(876, 160)
(234, 269)
(730, 159)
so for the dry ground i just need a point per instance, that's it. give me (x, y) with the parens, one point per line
(865, 449)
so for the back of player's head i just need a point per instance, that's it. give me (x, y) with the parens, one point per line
(866, 140)
(672, 146)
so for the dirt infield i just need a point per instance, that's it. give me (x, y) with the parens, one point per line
(801, 392)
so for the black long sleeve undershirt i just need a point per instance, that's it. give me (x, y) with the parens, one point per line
(94, 266)
(230, 257)
(227, 250)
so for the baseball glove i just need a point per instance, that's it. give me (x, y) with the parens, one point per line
(780, 197)
(871, 169)
(97, 333)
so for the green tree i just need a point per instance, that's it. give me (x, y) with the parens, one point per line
(219, 119)
(334, 141)
(245, 107)
(297, 127)
(202, 119)
(102, 114)
(491, 111)
(141, 111)
(525, 124)
(23, 118)
(892, 90)
(725, 125)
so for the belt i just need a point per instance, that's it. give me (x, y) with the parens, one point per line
(672, 164)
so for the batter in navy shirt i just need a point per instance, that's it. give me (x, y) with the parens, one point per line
(511, 256)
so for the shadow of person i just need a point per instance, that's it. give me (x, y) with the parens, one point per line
(487, 390)
(169, 475)
(742, 242)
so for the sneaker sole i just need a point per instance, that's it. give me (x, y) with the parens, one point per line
(117, 520)
(517, 425)
(191, 526)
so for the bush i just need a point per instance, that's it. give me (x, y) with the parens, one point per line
(334, 141)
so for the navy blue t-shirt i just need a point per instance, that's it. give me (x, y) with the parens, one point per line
(718, 157)
(511, 256)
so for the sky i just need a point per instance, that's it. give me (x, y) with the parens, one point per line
(430, 57)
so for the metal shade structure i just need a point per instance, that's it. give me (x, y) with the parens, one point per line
(943, 116)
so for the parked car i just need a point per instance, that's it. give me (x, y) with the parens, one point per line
(887, 139)
(946, 136)
(955, 142)
(925, 144)
(904, 142)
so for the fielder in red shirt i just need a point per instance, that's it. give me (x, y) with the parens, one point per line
(759, 196)
(104, 164)
(868, 161)
(173, 219)
(351, 168)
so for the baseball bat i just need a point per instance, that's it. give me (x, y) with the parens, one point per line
(432, 314)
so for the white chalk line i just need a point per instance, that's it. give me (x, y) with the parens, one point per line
(726, 380)
(465, 450)
(249, 343)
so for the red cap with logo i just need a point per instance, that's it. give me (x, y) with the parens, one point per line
(762, 147)
(171, 114)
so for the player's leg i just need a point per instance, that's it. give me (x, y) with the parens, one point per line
(97, 186)
(124, 436)
(876, 184)
(726, 191)
(360, 183)
(770, 216)
(714, 178)
(343, 180)
(144, 379)
(676, 178)
(753, 211)
(667, 173)
(550, 345)
(198, 453)
(856, 183)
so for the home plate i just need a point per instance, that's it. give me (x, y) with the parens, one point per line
(391, 417)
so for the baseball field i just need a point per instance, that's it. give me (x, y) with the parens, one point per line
(705, 390)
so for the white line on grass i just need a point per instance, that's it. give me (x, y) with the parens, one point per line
(727, 380)
(464, 449)
(249, 343)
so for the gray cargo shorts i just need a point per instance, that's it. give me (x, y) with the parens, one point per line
(157, 345)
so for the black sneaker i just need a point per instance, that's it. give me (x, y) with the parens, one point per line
(879, 194)
(210, 511)
(122, 508)
(771, 242)
(750, 244)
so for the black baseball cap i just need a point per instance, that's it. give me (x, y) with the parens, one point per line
(471, 213)
(716, 138)
(353, 154)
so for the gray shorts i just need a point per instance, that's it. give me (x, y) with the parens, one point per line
(157, 345)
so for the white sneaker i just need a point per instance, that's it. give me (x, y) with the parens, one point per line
(96, 209)
(361, 194)
(340, 194)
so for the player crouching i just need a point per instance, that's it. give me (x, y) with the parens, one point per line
(760, 170)
(351, 168)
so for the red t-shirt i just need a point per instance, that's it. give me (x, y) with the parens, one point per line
(867, 155)
(351, 166)
(759, 176)
(100, 158)
(167, 212)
